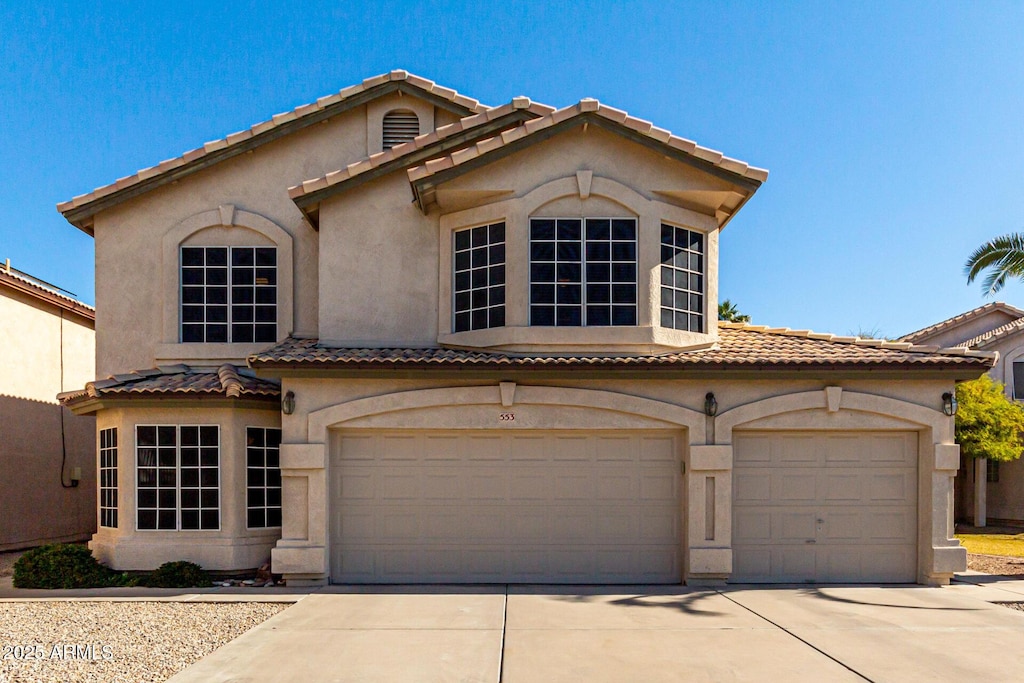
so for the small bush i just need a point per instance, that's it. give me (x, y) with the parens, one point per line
(63, 565)
(179, 574)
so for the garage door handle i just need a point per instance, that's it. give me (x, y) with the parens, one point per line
(810, 540)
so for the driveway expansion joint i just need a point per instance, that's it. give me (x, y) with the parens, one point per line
(793, 635)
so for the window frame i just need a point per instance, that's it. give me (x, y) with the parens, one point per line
(487, 287)
(266, 507)
(229, 323)
(702, 314)
(108, 506)
(583, 281)
(177, 479)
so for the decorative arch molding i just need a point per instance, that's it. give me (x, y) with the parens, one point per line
(913, 415)
(1007, 359)
(226, 216)
(321, 420)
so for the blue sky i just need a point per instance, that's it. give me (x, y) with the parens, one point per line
(894, 132)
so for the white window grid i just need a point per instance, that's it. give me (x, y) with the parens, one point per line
(682, 279)
(177, 484)
(108, 477)
(478, 279)
(263, 477)
(228, 294)
(585, 274)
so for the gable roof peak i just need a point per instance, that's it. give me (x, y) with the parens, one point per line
(80, 209)
(961, 318)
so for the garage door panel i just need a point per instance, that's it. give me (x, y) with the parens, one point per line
(752, 486)
(842, 486)
(796, 526)
(545, 507)
(793, 450)
(791, 486)
(751, 527)
(658, 450)
(857, 522)
(893, 487)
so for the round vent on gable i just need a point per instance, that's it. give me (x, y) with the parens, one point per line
(400, 126)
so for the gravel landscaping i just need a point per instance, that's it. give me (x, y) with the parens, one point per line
(72, 641)
(997, 565)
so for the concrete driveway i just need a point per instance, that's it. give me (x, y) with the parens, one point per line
(671, 633)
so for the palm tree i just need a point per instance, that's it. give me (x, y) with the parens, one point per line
(1003, 257)
(727, 311)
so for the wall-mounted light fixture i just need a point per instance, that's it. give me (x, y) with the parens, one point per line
(288, 402)
(710, 405)
(949, 404)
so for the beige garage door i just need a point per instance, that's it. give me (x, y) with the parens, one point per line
(494, 507)
(825, 507)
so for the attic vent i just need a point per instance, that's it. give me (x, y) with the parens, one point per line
(400, 126)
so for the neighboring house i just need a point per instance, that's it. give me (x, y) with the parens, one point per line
(987, 491)
(47, 475)
(399, 336)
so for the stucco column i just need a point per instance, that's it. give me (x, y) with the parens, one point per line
(947, 555)
(980, 492)
(709, 514)
(301, 554)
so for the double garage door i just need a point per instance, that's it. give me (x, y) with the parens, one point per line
(419, 506)
(415, 506)
(824, 507)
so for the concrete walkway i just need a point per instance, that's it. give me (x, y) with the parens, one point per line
(543, 633)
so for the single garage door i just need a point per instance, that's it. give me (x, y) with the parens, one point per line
(824, 507)
(495, 507)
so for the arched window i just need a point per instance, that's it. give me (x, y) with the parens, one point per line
(400, 126)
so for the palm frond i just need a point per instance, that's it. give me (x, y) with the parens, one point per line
(1003, 257)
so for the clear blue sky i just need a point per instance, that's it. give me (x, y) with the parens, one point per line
(894, 132)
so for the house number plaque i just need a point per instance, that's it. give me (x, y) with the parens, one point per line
(506, 417)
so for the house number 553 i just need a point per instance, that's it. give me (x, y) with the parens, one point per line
(506, 417)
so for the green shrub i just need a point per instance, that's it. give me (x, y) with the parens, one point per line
(63, 565)
(179, 574)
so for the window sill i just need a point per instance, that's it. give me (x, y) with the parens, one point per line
(195, 354)
(588, 340)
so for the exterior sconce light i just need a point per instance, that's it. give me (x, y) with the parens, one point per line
(710, 405)
(949, 404)
(288, 402)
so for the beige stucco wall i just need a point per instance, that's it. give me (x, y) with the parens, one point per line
(34, 506)
(968, 330)
(230, 548)
(386, 267)
(133, 299)
(323, 405)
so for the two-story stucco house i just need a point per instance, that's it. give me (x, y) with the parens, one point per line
(47, 475)
(987, 491)
(397, 336)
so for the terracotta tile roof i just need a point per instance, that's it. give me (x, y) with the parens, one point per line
(23, 282)
(926, 332)
(740, 345)
(275, 121)
(226, 380)
(994, 335)
(398, 151)
(584, 106)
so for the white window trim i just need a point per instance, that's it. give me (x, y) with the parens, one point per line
(224, 216)
(247, 508)
(177, 479)
(117, 458)
(583, 270)
(230, 287)
(704, 313)
(454, 269)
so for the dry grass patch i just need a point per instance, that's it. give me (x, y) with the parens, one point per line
(1004, 545)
